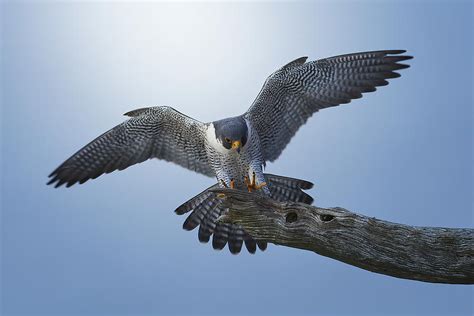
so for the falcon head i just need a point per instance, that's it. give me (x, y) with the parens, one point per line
(231, 133)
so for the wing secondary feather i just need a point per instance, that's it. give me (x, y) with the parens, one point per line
(156, 132)
(292, 94)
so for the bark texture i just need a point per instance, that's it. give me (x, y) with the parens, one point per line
(429, 254)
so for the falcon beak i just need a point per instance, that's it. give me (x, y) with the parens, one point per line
(237, 145)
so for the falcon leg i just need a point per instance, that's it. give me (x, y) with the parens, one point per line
(252, 185)
(232, 184)
(247, 183)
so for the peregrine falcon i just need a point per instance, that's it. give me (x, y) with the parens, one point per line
(234, 150)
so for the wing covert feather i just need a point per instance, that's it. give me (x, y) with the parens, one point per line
(155, 132)
(292, 94)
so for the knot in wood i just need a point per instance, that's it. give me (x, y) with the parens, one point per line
(291, 217)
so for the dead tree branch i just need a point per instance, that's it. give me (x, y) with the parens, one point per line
(429, 254)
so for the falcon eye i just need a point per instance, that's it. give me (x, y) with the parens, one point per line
(227, 140)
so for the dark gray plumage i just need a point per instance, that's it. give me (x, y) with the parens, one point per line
(233, 128)
(235, 149)
(157, 132)
(297, 90)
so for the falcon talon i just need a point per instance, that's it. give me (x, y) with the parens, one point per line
(261, 185)
(252, 185)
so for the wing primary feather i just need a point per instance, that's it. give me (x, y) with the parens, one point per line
(155, 132)
(293, 93)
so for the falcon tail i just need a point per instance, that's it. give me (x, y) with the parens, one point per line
(206, 209)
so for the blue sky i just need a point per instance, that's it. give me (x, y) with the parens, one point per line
(114, 246)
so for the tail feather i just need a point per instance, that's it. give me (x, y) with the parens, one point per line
(221, 235)
(195, 201)
(262, 245)
(208, 225)
(289, 182)
(250, 244)
(195, 218)
(236, 239)
(206, 209)
(289, 189)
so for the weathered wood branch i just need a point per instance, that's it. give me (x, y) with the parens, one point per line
(429, 254)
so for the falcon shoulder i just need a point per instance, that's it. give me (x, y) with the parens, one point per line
(155, 132)
(297, 90)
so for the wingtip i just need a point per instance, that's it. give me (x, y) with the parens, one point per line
(308, 185)
(59, 183)
(389, 55)
(137, 112)
(297, 62)
(55, 182)
(397, 51)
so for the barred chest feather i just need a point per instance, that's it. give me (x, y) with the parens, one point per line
(228, 164)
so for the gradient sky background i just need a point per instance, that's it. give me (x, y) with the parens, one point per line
(114, 246)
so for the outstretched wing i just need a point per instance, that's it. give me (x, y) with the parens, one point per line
(155, 132)
(293, 93)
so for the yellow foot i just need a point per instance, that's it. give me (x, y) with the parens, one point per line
(252, 185)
